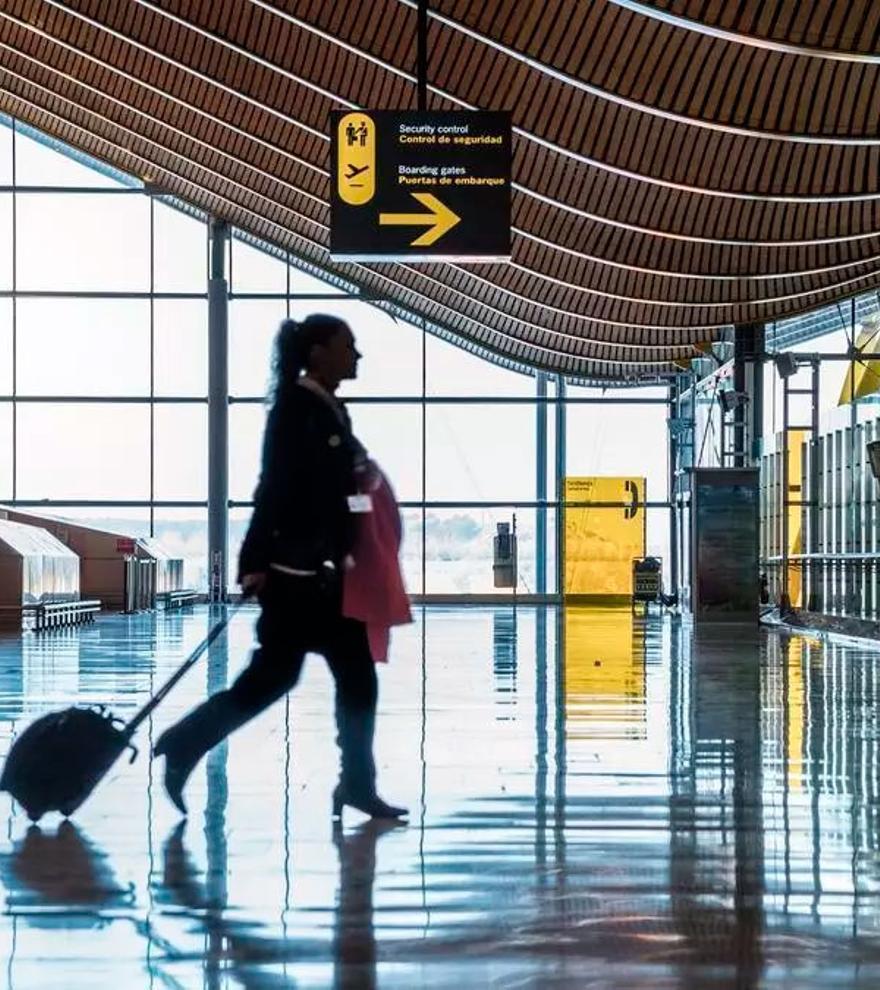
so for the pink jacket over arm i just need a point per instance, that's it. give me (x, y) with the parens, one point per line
(373, 589)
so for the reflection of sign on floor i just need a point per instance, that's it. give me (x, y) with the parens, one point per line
(412, 185)
(604, 674)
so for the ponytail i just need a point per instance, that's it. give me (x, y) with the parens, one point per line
(293, 347)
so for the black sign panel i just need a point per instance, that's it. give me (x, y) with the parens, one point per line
(413, 185)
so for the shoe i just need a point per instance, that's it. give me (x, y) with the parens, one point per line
(187, 741)
(371, 805)
(177, 771)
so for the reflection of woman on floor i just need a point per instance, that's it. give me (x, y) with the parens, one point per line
(354, 942)
(301, 536)
(354, 937)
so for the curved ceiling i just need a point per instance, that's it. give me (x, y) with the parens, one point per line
(679, 165)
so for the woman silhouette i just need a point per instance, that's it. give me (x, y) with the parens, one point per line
(298, 543)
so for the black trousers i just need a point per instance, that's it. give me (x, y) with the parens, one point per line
(297, 617)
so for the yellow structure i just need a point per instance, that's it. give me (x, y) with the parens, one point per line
(601, 542)
(862, 378)
(796, 440)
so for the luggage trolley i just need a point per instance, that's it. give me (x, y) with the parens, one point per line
(647, 582)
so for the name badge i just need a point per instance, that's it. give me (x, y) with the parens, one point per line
(360, 503)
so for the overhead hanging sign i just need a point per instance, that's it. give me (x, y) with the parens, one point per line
(410, 185)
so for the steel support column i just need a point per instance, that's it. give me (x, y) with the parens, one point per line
(218, 411)
(748, 380)
(672, 469)
(541, 486)
(560, 658)
(560, 486)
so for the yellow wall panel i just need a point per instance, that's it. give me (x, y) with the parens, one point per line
(601, 543)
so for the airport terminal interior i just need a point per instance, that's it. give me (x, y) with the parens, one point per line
(613, 271)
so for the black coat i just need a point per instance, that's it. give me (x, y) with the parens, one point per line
(301, 513)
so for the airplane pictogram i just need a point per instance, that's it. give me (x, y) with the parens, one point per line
(352, 172)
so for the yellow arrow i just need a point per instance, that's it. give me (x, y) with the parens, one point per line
(439, 221)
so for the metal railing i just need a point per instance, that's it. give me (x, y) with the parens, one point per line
(821, 527)
(177, 599)
(41, 616)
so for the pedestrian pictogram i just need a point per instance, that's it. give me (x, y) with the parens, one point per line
(415, 185)
(356, 134)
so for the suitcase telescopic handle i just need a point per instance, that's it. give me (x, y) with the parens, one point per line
(183, 669)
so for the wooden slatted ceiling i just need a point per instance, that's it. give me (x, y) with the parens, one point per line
(846, 27)
(628, 55)
(668, 182)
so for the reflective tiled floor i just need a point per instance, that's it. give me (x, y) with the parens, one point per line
(642, 807)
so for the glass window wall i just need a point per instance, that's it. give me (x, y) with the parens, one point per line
(103, 410)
